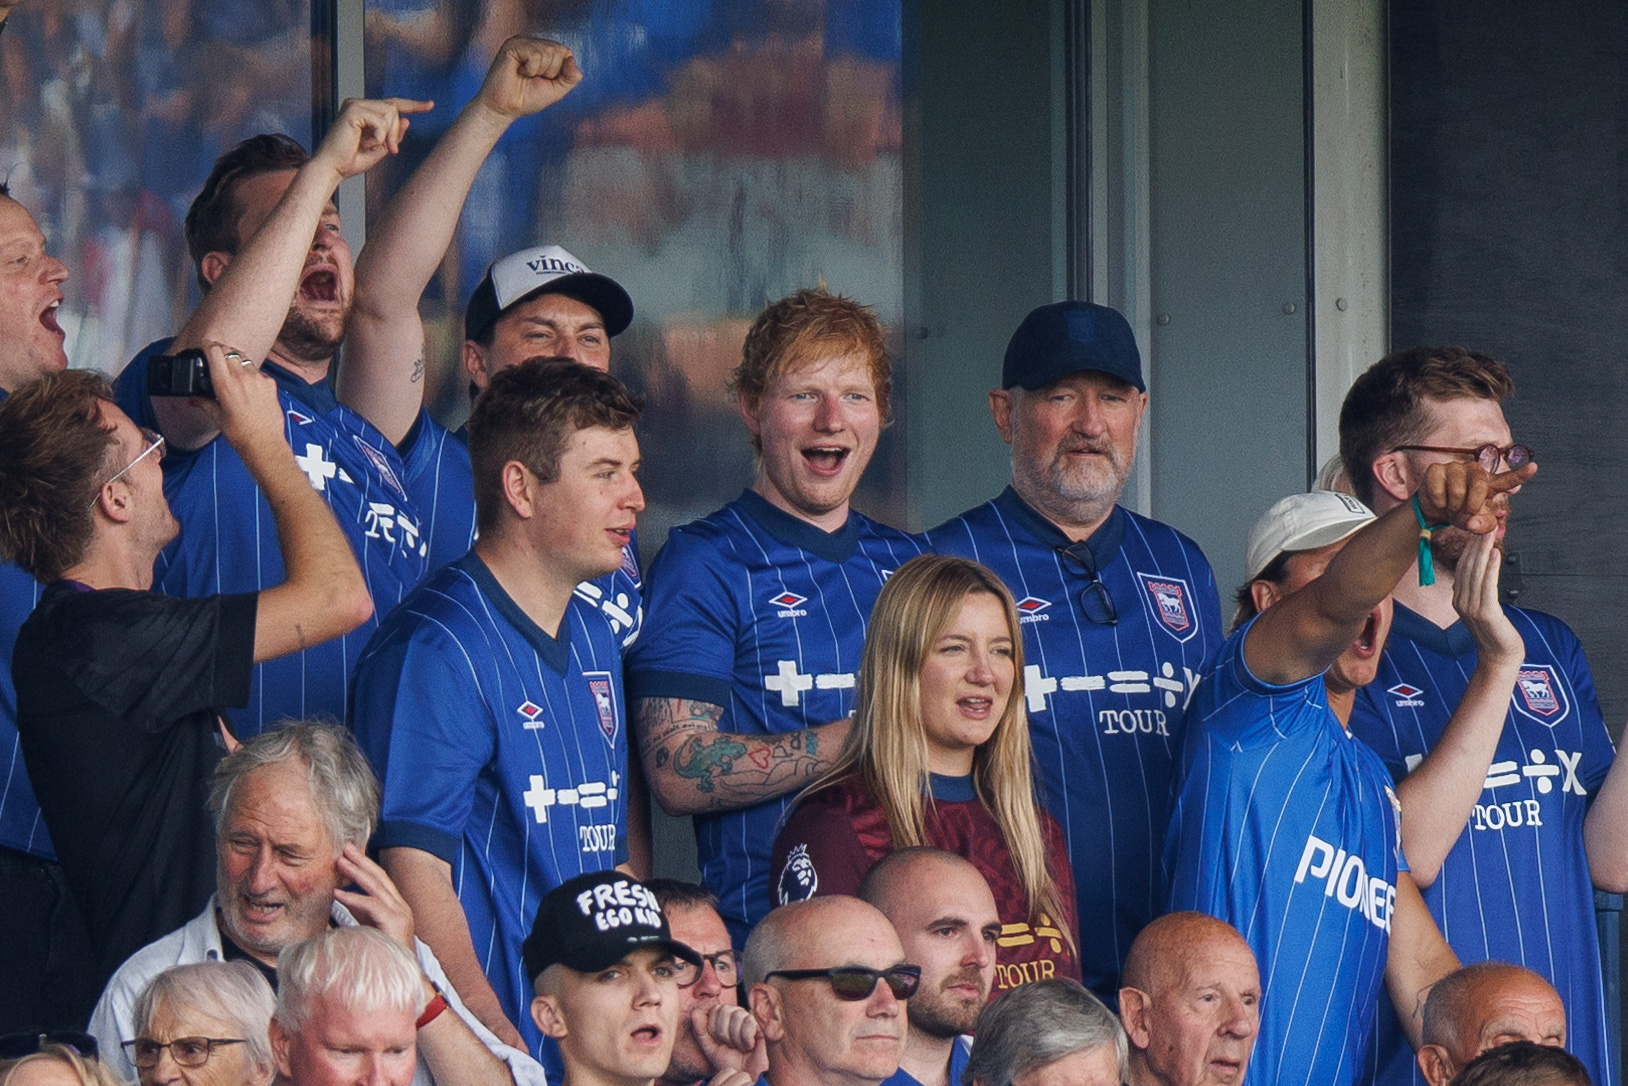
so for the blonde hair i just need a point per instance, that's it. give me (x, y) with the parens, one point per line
(91, 1072)
(887, 745)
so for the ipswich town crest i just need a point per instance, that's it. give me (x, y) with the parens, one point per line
(1539, 694)
(1171, 602)
(610, 723)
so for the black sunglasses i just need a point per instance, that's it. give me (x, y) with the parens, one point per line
(14, 1046)
(854, 982)
(1095, 602)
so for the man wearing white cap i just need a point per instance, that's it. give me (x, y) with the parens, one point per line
(538, 302)
(1284, 825)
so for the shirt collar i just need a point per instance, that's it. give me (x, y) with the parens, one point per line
(1104, 542)
(555, 651)
(319, 397)
(1454, 642)
(947, 789)
(837, 546)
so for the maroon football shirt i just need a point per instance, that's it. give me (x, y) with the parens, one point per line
(831, 838)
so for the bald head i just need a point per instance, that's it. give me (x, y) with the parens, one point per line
(948, 923)
(803, 934)
(1484, 1005)
(906, 871)
(813, 1035)
(1162, 944)
(1191, 1003)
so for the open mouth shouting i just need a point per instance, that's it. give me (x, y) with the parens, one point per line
(48, 318)
(1366, 646)
(320, 285)
(826, 461)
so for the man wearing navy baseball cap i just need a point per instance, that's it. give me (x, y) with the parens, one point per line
(603, 963)
(1118, 611)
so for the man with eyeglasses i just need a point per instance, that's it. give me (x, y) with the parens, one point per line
(119, 688)
(1548, 812)
(1118, 611)
(715, 1033)
(827, 984)
(606, 971)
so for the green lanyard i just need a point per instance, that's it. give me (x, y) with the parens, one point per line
(1427, 562)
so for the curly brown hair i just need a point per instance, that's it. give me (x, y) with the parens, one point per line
(54, 448)
(805, 327)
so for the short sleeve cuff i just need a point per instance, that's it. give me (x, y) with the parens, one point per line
(424, 838)
(234, 649)
(678, 684)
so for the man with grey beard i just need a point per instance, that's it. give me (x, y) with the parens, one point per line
(1118, 611)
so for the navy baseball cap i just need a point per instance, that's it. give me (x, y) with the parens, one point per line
(546, 269)
(595, 920)
(1067, 337)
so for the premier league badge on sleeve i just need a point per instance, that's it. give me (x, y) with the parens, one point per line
(1539, 694)
(1170, 600)
(798, 879)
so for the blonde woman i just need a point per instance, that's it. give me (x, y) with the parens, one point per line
(57, 1064)
(939, 755)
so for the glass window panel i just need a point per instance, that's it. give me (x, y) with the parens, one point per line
(718, 155)
(112, 112)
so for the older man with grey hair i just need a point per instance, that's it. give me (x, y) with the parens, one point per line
(1048, 1033)
(1481, 1006)
(350, 1010)
(293, 809)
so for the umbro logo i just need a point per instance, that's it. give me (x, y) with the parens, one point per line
(1407, 695)
(532, 714)
(1029, 608)
(790, 605)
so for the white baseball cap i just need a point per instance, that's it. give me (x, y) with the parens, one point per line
(1302, 522)
(539, 270)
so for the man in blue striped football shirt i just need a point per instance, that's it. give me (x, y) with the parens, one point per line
(1284, 825)
(538, 302)
(491, 700)
(1119, 612)
(1539, 814)
(743, 679)
(264, 233)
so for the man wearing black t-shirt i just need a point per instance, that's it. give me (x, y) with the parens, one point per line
(118, 687)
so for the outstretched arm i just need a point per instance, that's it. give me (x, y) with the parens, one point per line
(1417, 958)
(1438, 795)
(693, 768)
(249, 293)
(383, 375)
(323, 595)
(1301, 635)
